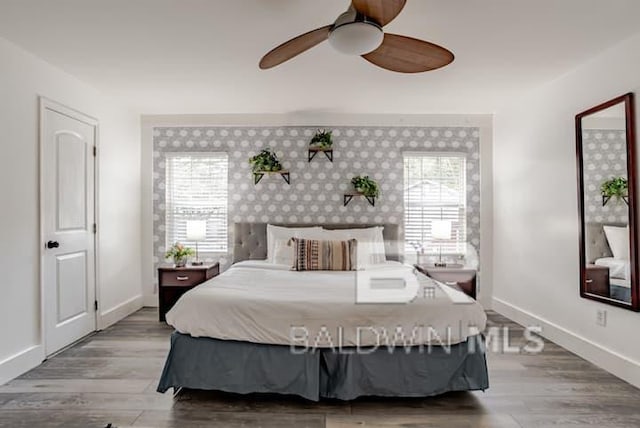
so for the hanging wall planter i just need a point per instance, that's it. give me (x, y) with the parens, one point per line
(266, 162)
(322, 141)
(615, 188)
(363, 187)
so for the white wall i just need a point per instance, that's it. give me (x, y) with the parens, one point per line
(536, 268)
(483, 122)
(23, 78)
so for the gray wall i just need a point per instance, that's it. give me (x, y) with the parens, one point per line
(604, 157)
(315, 193)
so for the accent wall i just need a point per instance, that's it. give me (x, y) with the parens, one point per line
(315, 194)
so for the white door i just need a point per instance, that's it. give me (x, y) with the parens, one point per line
(67, 214)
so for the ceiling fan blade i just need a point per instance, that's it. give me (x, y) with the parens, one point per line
(294, 47)
(381, 11)
(409, 55)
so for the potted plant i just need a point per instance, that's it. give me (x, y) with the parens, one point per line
(265, 161)
(616, 187)
(322, 140)
(366, 186)
(179, 254)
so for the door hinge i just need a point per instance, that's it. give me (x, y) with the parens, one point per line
(95, 151)
(95, 228)
(95, 305)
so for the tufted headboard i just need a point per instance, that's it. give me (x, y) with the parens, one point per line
(250, 239)
(596, 243)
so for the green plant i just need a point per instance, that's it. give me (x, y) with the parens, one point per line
(322, 139)
(366, 186)
(266, 160)
(616, 187)
(179, 252)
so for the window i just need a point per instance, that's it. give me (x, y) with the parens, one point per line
(434, 190)
(196, 189)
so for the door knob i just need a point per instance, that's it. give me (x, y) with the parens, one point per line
(53, 244)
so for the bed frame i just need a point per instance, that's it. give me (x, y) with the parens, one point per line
(244, 367)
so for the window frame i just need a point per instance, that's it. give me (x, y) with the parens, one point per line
(208, 246)
(459, 243)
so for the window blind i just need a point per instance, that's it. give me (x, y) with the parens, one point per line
(197, 189)
(434, 189)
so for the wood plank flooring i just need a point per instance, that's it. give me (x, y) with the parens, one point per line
(111, 377)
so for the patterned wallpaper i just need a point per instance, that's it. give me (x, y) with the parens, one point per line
(605, 156)
(315, 193)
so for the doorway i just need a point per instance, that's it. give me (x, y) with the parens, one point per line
(68, 141)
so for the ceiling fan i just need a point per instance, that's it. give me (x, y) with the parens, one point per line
(358, 31)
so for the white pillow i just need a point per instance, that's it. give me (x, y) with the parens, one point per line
(279, 233)
(618, 238)
(283, 253)
(370, 244)
(380, 252)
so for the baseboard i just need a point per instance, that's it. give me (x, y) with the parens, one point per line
(20, 363)
(150, 300)
(616, 364)
(119, 312)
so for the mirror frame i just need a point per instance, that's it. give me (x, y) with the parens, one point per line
(628, 101)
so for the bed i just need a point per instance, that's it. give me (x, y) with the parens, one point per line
(260, 327)
(599, 253)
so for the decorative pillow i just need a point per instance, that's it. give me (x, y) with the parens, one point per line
(283, 254)
(314, 254)
(279, 233)
(618, 239)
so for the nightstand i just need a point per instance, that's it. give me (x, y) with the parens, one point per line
(464, 279)
(597, 280)
(173, 282)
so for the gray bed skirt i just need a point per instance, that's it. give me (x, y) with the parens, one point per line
(243, 367)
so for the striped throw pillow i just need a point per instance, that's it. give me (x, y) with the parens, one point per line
(313, 254)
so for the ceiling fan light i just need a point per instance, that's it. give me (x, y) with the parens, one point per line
(356, 38)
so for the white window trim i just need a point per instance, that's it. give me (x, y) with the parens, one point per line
(434, 154)
(223, 243)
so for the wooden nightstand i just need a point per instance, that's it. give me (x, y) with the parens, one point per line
(464, 279)
(597, 280)
(173, 282)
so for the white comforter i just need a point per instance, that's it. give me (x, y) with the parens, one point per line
(259, 302)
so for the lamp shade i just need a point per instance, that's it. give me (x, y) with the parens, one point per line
(196, 230)
(441, 229)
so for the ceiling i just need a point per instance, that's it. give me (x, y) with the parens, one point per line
(201, 56)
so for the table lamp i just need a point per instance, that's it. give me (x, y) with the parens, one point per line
(196, 231)
(441, 231)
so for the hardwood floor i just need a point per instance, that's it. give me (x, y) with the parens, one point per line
(111, 377)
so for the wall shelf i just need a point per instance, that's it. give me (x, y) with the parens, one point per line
(347, 197)
(606, 199)
(313, 151)
(257, 175)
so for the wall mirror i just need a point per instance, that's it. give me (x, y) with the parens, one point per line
(607, 200)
